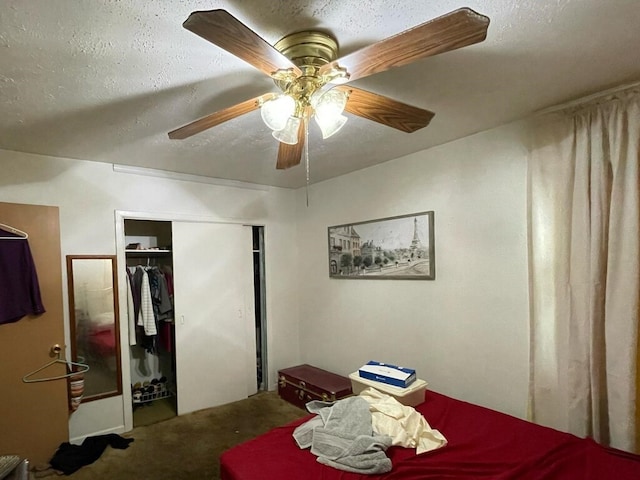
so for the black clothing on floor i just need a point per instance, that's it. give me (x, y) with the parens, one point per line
(70, 458)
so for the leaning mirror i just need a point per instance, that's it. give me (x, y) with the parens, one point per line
(93, 315)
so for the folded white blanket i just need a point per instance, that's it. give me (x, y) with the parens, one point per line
(404, 424)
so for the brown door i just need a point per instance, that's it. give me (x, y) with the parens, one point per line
(34, 417)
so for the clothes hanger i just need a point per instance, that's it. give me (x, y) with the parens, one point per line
(56, 349)
(21, 235)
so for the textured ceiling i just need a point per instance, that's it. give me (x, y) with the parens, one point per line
(105, 80)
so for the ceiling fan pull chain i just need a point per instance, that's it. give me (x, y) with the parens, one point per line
(306, 153)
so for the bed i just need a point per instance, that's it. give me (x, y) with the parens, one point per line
(482, 444)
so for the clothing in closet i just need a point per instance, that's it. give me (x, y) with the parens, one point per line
(152, 306)
(19, 287)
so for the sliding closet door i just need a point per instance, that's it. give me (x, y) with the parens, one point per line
(215, 325)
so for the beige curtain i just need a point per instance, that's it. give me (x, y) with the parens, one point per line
(584, 241)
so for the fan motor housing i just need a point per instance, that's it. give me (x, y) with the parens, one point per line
(308, 48)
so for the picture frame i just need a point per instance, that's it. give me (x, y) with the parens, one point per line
(392, 248)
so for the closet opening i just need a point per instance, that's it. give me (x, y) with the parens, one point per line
(260, 307)
(148, 250)
(183, 368)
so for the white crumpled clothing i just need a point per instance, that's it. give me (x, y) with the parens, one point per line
(404, 424)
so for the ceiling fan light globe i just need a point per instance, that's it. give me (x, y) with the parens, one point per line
(330, 126)
(276, 112)
(331, 104)
(315, 98)
(289, 134)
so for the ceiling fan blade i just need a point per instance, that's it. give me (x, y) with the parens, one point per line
(385, 110)
(219, 117)
(454, 30)
(227, 32)
(290, 155)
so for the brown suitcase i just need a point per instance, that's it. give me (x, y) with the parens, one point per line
(303, 383)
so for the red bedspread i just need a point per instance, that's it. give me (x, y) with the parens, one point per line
(483, 444)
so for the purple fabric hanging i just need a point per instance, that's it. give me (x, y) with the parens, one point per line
(19, 288)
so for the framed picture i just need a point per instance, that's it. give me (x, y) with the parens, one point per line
(388, 248)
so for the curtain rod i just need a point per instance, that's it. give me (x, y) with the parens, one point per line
(583, 100)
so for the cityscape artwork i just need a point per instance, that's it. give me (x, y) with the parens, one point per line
(388, 248)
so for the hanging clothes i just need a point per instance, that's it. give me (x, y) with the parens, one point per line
(19, 287)
(142, 323)
(136, 286)
(131, 309)
(168, 275)
(146, 316)
(166, 336)
(167, 332)
(162, 307)
(150, 307)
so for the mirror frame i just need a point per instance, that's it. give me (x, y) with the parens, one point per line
(116, 326)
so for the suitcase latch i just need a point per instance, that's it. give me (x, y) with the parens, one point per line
(301, 391)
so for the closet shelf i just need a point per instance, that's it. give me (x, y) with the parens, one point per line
(147, 253)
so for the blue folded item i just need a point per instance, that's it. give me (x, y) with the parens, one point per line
(386, 373)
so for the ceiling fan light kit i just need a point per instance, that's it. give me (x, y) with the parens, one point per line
(312, 78)
(328, 110)
(330, 126)
(282, 114)
(276, 111)
(289, 134)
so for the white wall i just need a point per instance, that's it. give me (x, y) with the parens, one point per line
(89, 193)
(466, 333)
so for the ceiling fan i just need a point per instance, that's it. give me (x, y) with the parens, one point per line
(306, 68)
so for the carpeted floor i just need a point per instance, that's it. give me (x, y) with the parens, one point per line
(154, 412)
(188, 447)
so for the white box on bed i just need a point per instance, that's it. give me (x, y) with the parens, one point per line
(411, 395)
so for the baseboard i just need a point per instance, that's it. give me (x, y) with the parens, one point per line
(78, 440)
